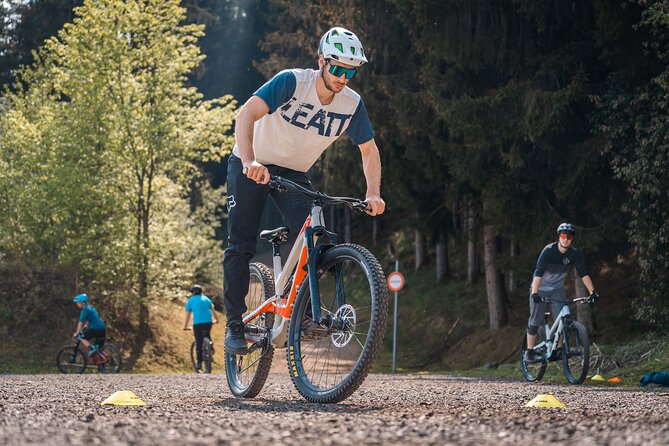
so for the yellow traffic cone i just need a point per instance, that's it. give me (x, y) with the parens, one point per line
(545, 401)
(123, 398)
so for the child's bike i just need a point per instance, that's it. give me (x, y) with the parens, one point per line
(327, 306)
(207, 354)
(575, 347)
(73, 359)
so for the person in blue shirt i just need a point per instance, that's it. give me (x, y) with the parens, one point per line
(203, 316)
(96, 329)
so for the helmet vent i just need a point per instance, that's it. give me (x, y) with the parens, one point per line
(353, 50)
(340, 47)
(335, 33)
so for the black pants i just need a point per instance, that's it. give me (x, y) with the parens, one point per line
(99, 336)
(201, 331)
(246, 202)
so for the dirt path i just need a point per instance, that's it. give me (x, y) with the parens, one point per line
(198, 409)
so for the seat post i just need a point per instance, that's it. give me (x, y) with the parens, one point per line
(276, 261)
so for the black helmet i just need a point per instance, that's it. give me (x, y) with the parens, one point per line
(196, 289)
(566, 228)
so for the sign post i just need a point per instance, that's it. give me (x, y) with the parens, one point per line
(395, 283)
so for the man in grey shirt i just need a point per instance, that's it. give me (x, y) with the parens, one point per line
(553, 265)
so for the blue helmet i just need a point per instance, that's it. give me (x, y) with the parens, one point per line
(80, 298)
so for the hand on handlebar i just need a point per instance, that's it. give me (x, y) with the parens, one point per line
(593, 298)
(536, 298)
(256, 172)
(375, 204)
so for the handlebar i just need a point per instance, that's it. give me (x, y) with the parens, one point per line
(281, 184)
(578, 300)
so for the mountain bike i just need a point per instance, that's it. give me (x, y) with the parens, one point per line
(327, 306)
(207, 354)
(73, 359)
(575, 347)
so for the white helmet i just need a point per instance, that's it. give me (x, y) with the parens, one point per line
(343, 46)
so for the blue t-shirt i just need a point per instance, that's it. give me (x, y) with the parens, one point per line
(90, 315)
(201, 306)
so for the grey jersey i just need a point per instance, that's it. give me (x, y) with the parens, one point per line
(553, 266)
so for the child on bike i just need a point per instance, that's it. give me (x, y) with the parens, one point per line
(89, 318)
(203, 315)
(553, 265)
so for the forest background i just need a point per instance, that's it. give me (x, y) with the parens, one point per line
(496, 121)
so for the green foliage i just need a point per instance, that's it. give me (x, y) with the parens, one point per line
(634, 119)
(99, 145)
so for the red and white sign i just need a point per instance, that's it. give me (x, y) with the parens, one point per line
(395, 281)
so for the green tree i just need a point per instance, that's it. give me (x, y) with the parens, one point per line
(108, 130)
(633, 118)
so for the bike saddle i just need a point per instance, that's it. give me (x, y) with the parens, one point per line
(278, 235)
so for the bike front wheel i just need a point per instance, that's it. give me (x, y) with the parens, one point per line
(328, 362)
(70, 359)
(533, 371)
(113, 358)
(247, 373)
(575, 352)
(193, 356)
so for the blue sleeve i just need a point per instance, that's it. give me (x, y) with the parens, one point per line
(360, 129)
(542, 262)
(82, 315)
(278, 90)
(188, 306)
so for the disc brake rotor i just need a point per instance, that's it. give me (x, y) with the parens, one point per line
(345, 315)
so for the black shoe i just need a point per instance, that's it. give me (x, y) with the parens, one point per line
(556, 355)
(532, 356)
(235, 344)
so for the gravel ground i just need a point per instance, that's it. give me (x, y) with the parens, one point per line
(418, 409)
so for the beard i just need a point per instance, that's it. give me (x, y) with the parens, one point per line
(328, 84)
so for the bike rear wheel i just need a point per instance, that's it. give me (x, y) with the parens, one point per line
(533, 371)
(575, 352)
(114, 359)
(206, 355)
(246, 374)
(327, 364)
(71, 359)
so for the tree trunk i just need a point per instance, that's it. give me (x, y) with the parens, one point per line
(472, 254)
(455, 209)
(419, 244)
(583, 312)
(494, 288)
(443, 270)
(512, 276)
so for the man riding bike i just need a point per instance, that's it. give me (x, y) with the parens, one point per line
(282, 130)
(553, 265)
(89, 318)
(204, 315)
